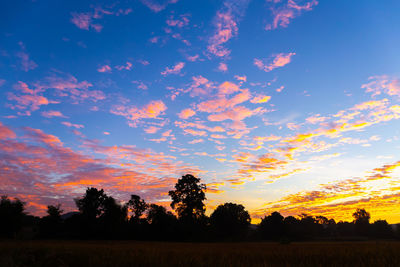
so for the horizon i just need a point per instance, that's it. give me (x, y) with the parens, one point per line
(280, 105)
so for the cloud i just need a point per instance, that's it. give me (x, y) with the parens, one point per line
(135, 115)
(157, 5)
(5, 132)
(186, 113)
(127, 66)
(52, 113)
(151, 129)
(225, 22)
(382, 84)
(174, 70)
(222, 67)
(68, 85)
(39, 169)
(237, 113)
(284, 11)
(26, 63)
(104, 68)
(347, 194)
(181, 22)
(68, 124)
(29, 100)
(85, 20)
(279, 60)
(260, 99)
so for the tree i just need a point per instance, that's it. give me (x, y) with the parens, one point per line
(54, 212)
(272, 227)
(188, 197)
(361, 215)
(11, 216)
(91, 204)
(381, 229)
(361, 221)
(138, 207)
(162, 222)
(230, 219)
(50, 225)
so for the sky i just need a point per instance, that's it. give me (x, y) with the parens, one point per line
(278, 105)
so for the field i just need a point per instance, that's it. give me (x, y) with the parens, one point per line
(130, 253)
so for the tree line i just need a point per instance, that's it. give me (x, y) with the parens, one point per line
(103, 217)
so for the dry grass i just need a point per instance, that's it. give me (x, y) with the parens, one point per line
(130, 253)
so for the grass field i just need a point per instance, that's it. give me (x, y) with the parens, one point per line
(130, 253)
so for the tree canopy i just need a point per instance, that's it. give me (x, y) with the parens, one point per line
(188, 198)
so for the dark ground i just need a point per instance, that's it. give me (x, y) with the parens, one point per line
(131, 253)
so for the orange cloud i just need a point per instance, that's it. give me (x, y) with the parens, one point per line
(186, 113)
(135, 115)
(260, 99)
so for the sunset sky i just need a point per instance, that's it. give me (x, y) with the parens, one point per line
(279, 105)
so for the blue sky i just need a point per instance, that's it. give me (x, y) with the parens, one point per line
(287, 105)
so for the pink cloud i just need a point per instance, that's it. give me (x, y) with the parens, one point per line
(180, 22)
(237, 113)
(157, 5)
(135, 115)
(5, 132)
(68, 124)
(283, 14)
(52, 113)
(222, 67)
(127, 66)
(174, 70)
(152, 129)
(226, 21)
(193, 58)
(26, 63)
(227, 88)
(186, 113)
(104, 68)
(382, 84)
(36, 158)
(279, 60)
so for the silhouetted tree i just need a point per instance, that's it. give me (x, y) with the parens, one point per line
(361, 221)
(138, 206)
(271, 226)
(188, 198)
(55, 212)
(381, 229)
(230, 220)
(291, 226)
(11, 216)
(91, 204)
(162, 223)
(50, 225)
(113, 217)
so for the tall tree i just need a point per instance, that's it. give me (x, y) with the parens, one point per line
(138, 206)
(361, 221)
(188, 198)
(230, 220)
(11, 215)
(91, 204)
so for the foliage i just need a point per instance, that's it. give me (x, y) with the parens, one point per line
(230, 219)
(11, 216)
(188, 198)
